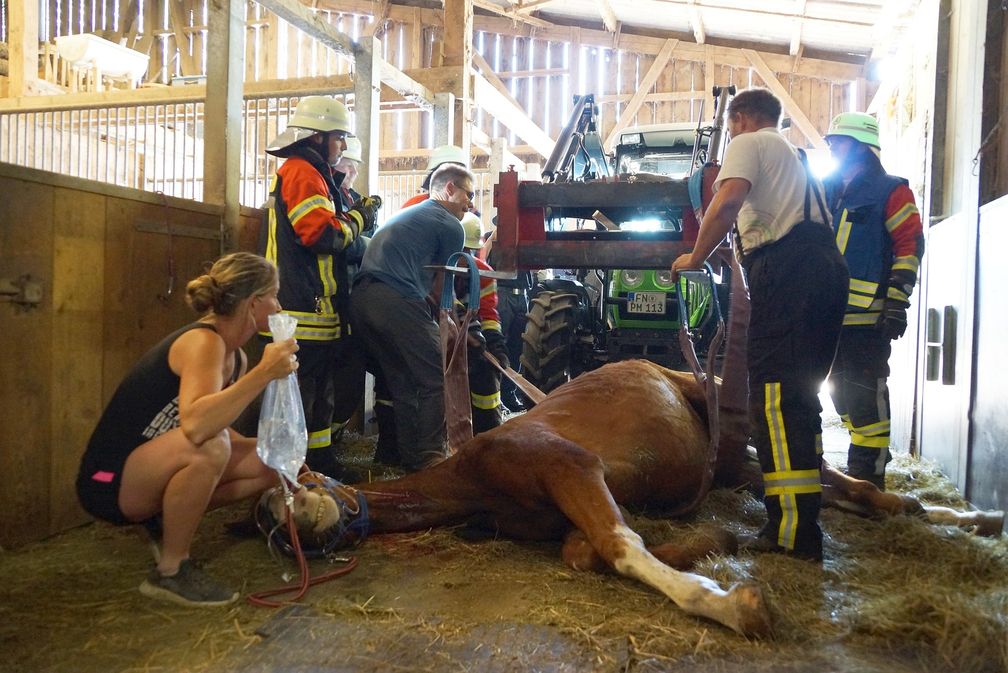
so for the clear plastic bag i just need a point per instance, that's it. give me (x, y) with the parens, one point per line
(282, 439)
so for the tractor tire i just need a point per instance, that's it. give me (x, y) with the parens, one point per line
(548, 338)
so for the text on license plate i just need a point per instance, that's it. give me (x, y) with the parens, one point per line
(646, 302)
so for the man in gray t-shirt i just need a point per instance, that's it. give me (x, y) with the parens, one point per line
(391, 304)
(798, 290)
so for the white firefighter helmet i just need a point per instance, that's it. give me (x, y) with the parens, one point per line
(314, 114)
(473, 228)
(353, 149)
(447, 154)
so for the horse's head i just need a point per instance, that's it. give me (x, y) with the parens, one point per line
(327, 515)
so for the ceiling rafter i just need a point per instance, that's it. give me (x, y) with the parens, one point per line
(696, 21)
(528, 7)
(853, 18)
(608, 15)
(512, 13)
(846, 65)
(799, 23)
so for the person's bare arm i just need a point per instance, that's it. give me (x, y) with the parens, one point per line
(205, 406)
(717, 222)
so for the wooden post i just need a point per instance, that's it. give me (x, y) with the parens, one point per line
(223, 113)
(444, 119)
(458, 50)
(23, 53)
(367, 91)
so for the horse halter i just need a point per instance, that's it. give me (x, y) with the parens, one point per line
(329, 516)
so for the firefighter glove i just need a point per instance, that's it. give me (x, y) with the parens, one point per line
(475, 339)
(893, 321)
(365, 211)
(498, 350)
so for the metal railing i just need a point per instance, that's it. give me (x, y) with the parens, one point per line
(152, 147)
(397, 187)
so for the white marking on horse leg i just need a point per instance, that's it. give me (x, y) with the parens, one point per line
(988, 524)
(741, 608)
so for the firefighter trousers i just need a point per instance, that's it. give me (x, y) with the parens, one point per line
(861, 397)
(484, 392)
(798, 288)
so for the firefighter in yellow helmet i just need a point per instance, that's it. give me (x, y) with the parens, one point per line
(310, 226)
(879, 231)
(486, 335)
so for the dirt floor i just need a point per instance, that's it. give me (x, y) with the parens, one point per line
(896, 595)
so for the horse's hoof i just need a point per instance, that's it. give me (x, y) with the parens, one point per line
(753, 617)
(912, 506)
(990, 524)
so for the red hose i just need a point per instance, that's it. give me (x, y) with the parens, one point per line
(261, 598)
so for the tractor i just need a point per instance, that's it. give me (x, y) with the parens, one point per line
(604, 228)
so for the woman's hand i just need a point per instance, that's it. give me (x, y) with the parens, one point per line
(278, 359)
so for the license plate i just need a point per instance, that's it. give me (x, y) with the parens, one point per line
(646, 302)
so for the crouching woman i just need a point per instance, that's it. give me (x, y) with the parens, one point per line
(163, 449)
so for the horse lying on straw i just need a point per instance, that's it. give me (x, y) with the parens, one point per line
(630, 433)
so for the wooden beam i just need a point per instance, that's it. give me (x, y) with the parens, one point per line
(304, 19)
(444, 119)
(458, 33)
(299, 16)
(169, 95)
(853, 16)
(367, 91)
(533, 6)
(23, 52)
(537, 72)
(457, 44)
(406, 86)
(509, 113)
(608, 15)
(643, 89)
(696, 21)
(799, 23)
(708, 72)
(512, 14)
(222, 113)
(646, 44)
(187, 64)
(664, 97)
(504, 24)
(798, 117)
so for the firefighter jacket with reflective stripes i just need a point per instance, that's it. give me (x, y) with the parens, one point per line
(878, 230)
(307, 230)
(415, 199)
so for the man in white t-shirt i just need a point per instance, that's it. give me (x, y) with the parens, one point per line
(798, 289)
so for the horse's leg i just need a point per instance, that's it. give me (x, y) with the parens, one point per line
(580, 555)
(837, 486)
(988, 524)
(577, 487)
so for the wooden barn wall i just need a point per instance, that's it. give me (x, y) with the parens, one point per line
(110, 291)
(541, 73)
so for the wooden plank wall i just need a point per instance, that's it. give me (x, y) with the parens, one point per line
(543, 88)
(107, 297)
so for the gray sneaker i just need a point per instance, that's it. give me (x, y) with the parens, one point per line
(189, 586)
